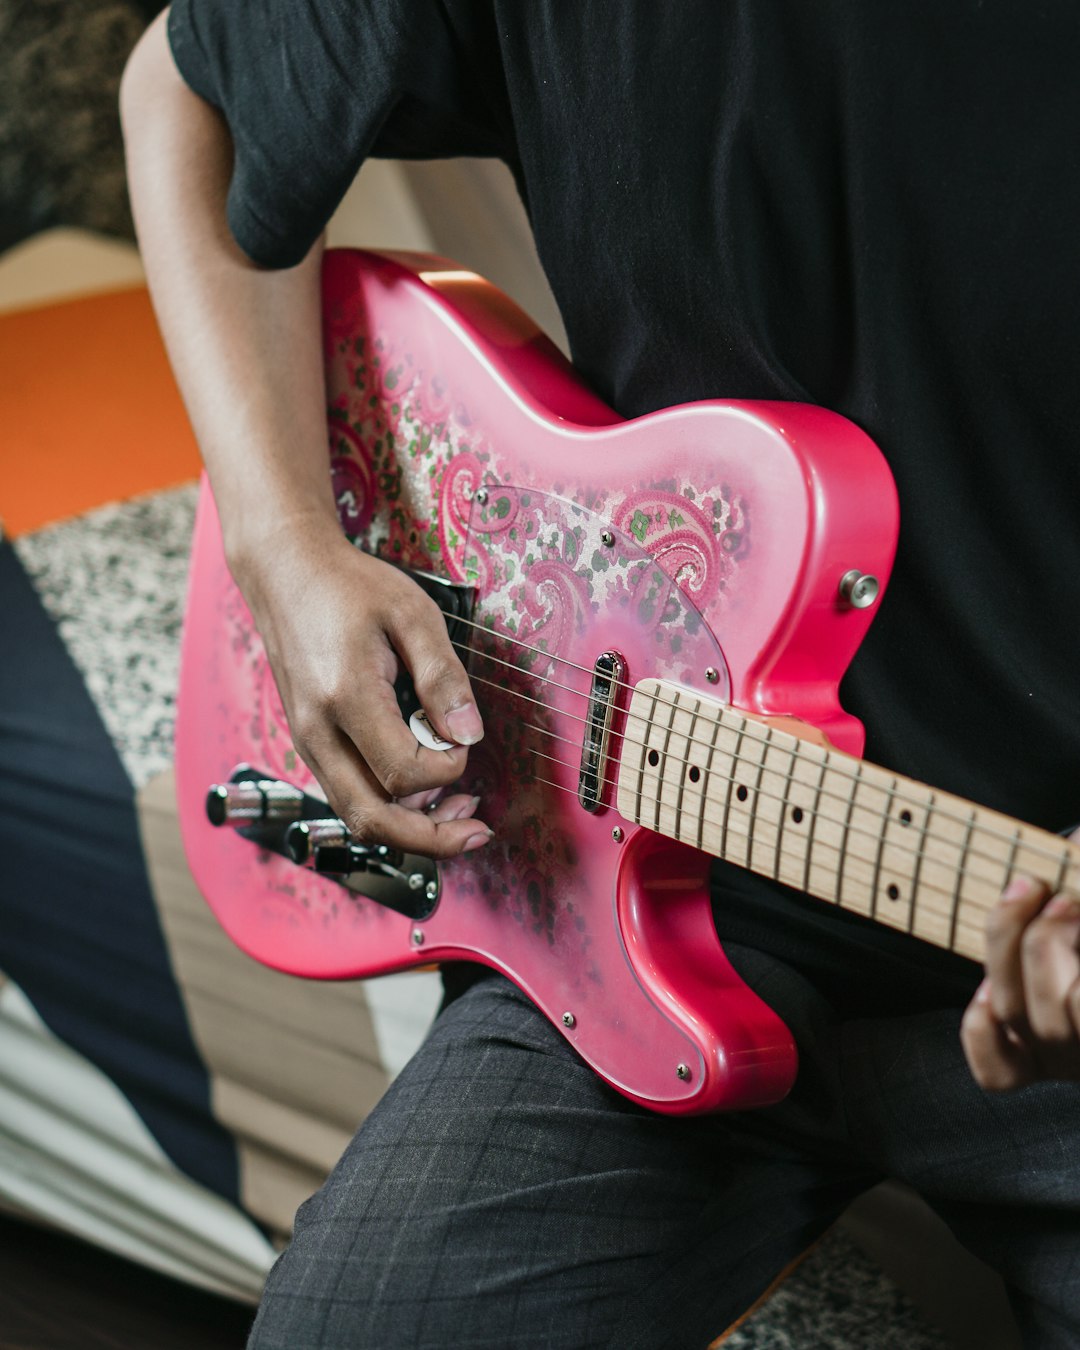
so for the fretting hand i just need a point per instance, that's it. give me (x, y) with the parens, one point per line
(1023, 1025)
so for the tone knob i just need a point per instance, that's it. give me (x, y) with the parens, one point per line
(305, 836)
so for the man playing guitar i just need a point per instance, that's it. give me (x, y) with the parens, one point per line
(857, 206)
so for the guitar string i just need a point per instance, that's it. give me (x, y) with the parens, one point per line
(813, 843)
(917, 853)
(910, 906)
(942, 812)
(1061, 855)
(933, 811)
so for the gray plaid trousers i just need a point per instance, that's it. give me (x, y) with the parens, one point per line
(502, 1196)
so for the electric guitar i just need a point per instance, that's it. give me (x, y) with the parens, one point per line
(655, 615)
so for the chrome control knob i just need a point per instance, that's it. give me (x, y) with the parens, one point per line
(253, 800)
(305, 837)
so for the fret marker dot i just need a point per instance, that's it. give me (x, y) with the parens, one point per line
(741, 793)
(695, 773)
(796, 814)
(905, 817)
(654, 757)
(893, 891)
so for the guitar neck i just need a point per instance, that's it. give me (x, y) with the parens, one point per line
(867, 840)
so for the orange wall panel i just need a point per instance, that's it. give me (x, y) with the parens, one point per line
(89, 410)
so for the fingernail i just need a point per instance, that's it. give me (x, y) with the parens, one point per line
(982, 994)
(478, 840)
(1063, 907)
(465, 724)
(466, 809)
(1020, 888)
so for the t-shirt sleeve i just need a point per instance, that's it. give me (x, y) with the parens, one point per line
(310, 88)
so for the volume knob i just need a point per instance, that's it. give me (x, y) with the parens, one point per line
(253, 800)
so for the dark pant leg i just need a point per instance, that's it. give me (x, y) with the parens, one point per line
(1002, 1170)
(501, 1195)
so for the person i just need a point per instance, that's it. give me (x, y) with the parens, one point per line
(864, 206)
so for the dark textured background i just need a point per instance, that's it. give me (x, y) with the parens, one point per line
(61, 157)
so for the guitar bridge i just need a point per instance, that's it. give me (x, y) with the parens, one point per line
(607, 677)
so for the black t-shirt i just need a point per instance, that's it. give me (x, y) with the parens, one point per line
(868, 206)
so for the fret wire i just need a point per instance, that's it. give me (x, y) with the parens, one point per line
(1062, 871)
(758, 795)
(707, 779)
(1017, 838)
(793, 759)
(730, 790)
(749, 719)
(662, 766)
(810, 834)
(881, 848)
(641, 772)
(683, 777)
(785, 798)
(960, 881)
(844, 837)
(919, 855)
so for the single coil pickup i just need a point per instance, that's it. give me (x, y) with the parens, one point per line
(608, 671)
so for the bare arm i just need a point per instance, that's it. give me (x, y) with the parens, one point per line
(245, 347)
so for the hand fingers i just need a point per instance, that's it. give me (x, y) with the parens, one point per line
(369, 716)
(1019, 904)
(418, 632)
(456, 807)
(999, 1061)
(1024, 1023)
(373, 818)
(344, 716)
(1050, 956)
(420, 801)
(459, 807)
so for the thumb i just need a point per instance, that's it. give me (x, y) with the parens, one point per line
(441, 683)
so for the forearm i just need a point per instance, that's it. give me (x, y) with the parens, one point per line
(243, 341)
(336, 623)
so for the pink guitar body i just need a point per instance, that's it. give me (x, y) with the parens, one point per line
(704, 544)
